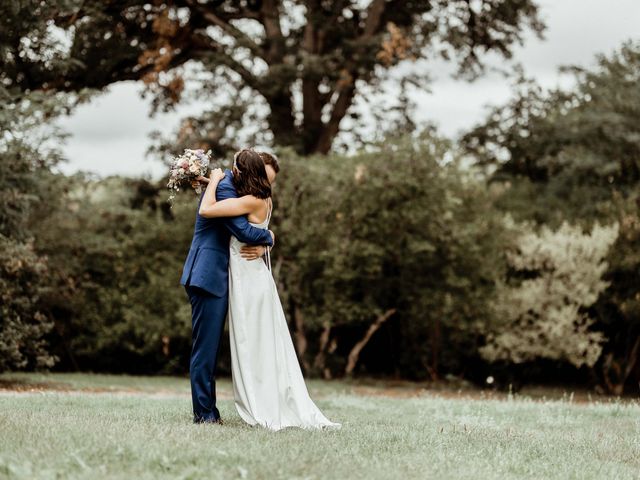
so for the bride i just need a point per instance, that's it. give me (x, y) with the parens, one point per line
(268, 385)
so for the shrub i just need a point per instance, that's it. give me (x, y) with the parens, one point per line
(544, 314)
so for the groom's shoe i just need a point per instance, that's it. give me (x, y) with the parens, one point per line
(217, 421)
(202, 420)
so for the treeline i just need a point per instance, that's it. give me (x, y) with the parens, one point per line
(513, 253)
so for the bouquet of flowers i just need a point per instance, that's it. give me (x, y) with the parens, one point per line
(187, 168)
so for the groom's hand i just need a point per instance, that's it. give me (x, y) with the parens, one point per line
(252, 252)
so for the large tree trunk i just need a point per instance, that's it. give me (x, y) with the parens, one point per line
(312, 111)
(312, 100)
(281, 120)
(352, 360)
(270, 14)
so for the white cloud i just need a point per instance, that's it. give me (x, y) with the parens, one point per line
(111, 155)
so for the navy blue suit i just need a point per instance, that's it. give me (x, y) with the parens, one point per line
(206, 279)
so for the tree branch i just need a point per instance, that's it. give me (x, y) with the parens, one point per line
(346, 88)
(323, 341)
(206, 47)
(242, 39)
(340, 107)
(374, 15)
(270, 19)
(357, 348)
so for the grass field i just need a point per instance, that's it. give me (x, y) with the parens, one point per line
(102, 426)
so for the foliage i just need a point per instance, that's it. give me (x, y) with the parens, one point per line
(252, 60)
(400, 229)
(22, 323)
(384, 257)
(400, 238)
(572, 155)
(544, 314)
(117, 253)
(573, 148)
(618, 311)
(27, 152)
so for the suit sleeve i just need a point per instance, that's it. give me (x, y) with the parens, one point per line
(240, 226)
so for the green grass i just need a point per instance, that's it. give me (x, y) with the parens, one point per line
(101, 426)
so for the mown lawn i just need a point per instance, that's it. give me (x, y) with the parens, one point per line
(102, 426)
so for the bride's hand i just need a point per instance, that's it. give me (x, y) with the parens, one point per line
(202, 179)
(216, 175)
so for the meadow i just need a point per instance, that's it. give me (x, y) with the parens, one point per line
(108, 426)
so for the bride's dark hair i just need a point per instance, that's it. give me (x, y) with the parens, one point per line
(249, 174)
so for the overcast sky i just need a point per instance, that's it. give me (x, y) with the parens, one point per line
(110, 135)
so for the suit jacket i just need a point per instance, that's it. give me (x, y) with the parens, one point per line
(207, 264)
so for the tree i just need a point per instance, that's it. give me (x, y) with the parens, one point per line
(115, 255)
(574, 148)
(306, 62)
(27, 184)
(543, 315)
(574, 155)
(386, 258)
(618, 312)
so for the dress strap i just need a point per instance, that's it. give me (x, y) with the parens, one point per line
(269, 209)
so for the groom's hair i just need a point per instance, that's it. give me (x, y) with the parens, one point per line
(250, 175)
(269, 159)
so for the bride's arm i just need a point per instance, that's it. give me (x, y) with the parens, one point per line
(230, 207)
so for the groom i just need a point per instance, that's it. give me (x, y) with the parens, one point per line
(205, 278)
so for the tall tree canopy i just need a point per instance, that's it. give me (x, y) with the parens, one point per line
(289, 71)
(589, 135)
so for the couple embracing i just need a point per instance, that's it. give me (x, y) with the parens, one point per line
(225, 274)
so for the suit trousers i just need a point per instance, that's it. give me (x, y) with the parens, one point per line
(208, 314)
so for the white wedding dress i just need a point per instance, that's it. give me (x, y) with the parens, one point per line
(268, 385)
